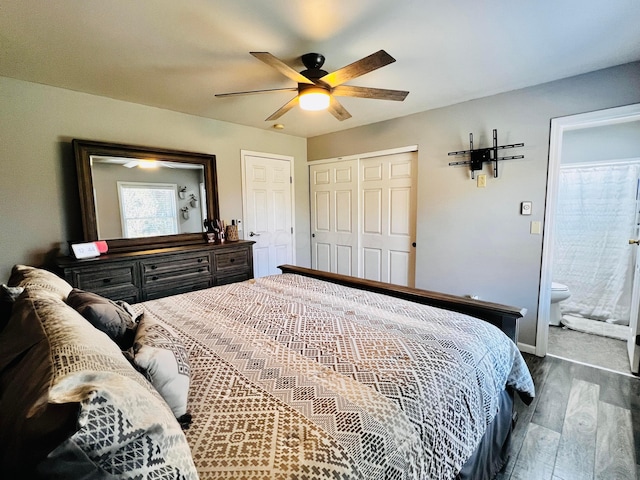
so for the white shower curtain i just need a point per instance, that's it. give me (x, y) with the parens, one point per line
(594, 222)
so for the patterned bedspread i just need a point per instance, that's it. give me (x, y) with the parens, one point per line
(295, 378)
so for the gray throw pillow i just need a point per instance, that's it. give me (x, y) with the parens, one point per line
(162, 357)
(113, 318)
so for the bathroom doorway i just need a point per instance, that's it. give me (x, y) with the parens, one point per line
(593, 149)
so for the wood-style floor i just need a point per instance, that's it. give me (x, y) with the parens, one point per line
(583, 424)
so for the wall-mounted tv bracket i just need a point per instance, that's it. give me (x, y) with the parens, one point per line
(481, 155)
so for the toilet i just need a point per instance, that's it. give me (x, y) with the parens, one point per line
(559, 292)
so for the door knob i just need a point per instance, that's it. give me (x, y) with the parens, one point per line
(253, 234)
(636, 241)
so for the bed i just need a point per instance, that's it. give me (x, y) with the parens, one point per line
(303, 375)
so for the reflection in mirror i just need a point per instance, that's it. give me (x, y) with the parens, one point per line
(152, 197)
(139, 198)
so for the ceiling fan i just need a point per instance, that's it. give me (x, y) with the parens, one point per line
(317, 85)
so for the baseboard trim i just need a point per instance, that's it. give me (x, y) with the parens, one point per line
(526, 348)
(628, 374)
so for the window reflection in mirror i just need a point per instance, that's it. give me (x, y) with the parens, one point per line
(149, 197)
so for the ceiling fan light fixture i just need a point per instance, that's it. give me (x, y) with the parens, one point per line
(314, 98)
(149, 164)
(317, 89)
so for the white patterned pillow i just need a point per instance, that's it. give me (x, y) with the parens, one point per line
(161, 355)
(123, 431)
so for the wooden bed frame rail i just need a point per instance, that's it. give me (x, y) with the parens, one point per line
(504, 317)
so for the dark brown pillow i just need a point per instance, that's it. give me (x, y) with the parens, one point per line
(108, 316)
(30, 427)
(8, 296)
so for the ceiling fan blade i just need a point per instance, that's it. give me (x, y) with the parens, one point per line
(282, 67)
(359, 68)
(366, 92)
(337, 110)
(251, 92)
(284, 109)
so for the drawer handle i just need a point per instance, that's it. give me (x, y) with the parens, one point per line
(154, 277)
(200, 270)
(106, 280)
(153, 267)
(232, 260)
(199, 260)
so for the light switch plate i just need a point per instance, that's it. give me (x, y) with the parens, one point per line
(536, 228)
(525, 208)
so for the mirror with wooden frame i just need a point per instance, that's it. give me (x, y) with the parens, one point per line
(139, 198)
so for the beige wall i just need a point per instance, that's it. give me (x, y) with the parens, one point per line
(39, 209)
(470, 240)
(473, 241)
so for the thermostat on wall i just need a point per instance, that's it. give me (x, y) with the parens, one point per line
(525, 208)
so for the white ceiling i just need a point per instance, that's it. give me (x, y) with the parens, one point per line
(176, 54)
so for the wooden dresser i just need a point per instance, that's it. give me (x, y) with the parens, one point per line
(145, 275)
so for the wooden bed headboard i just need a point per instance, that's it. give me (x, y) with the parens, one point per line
(504, 317)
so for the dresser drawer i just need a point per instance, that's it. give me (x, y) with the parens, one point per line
(175, 279)
(237, 259)
(152, 294)
(197, 262)
(104, 277)
(128, 294)
(169, 273)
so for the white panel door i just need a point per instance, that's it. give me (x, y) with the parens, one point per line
(268, 211)
(388, 212)
(334, 217)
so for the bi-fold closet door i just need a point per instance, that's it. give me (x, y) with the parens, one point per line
(363, 217)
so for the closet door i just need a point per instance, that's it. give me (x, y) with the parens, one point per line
(334, 217)
(388, 212)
